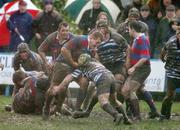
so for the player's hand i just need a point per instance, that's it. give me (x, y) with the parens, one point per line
(16, 30)
(21, 91)
(40, 74)
(163, 58)
(159, 15)
(49, 67)
(75, 65)
(55, 90)
(38, 36)
(131, 70)
(127, 65)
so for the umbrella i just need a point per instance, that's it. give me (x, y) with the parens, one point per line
(5, 12)
(76, 8)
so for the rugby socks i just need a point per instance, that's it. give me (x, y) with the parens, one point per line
(121, 110)
(92, 103)
(163, 109)
(168, 110)
(46, 107)
(80, 98)
(134, 104)
(60, 100)
(48, 102)
(109, 109)
(129, 108)
(89, 96)
(149, 100)
(166, 107)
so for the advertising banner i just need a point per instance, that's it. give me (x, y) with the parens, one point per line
(154, 83)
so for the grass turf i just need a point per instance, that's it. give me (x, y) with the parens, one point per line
(98, 120)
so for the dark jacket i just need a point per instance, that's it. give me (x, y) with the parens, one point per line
(162, 32)
(46, 23)
(88, 20)
(23, 21)
(162, 8)
(127, 8)
(152, 28)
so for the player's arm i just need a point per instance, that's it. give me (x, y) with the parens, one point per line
(126, 48)
(66, 53)
(15, 63)
(141, 62)
(163, 54)
(69, 78)
(15, 90)
(128, 51)
(43, 55)
(44, 48)
(63, 84)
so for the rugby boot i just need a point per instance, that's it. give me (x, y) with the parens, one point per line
(80, 114)
(136, 110)
(45, 113)
(153, 115)
(121, 110)
(8, 107)
(118, 118)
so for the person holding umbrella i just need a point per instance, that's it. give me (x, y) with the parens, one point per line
(88, 20)
(19, 25)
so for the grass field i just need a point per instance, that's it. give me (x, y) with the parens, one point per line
(97, 121)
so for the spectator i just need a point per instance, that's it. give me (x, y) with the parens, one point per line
(164, 28)
(88, 20)
(146, 17)
(154, 7)
(53, 43)
(46, 22)
(158, 7)
(136, 4)
(162, 8)
(176, 3)
(118, 3)
(178, 13)
(173, 27)
(104, 16)
(19, 25)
